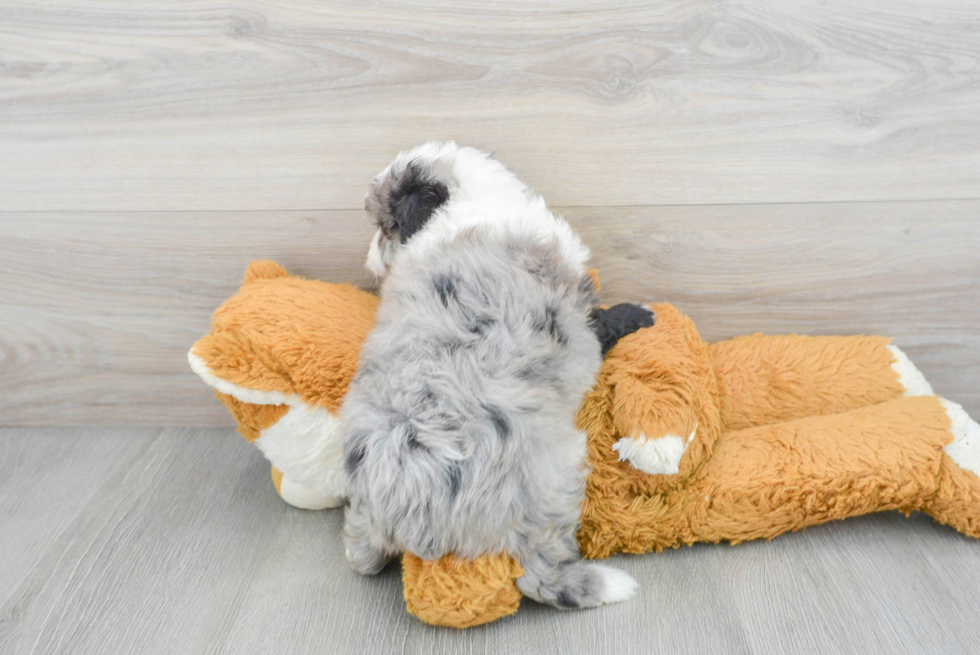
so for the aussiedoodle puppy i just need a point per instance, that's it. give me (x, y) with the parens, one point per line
(459, 426)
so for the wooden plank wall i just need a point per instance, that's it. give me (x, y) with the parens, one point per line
(773, 166)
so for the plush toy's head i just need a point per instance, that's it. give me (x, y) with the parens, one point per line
(285, 340)
(280, 355)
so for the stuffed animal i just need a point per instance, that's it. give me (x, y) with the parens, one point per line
(687, 441)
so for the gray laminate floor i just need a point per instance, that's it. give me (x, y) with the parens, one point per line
(173, 541)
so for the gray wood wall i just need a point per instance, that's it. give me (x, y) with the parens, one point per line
(766, 166)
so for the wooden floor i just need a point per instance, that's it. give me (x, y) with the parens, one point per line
(766, 165)
(173, 541)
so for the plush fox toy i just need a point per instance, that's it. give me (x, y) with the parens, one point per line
(687, 441)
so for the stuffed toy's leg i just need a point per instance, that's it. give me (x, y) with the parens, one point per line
(459, 593)
(254, 423)
(763, 481)
(764, 380)
(907, 454)
(957, 501)
(301, 496)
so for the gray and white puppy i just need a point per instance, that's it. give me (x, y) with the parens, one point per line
(459, 426)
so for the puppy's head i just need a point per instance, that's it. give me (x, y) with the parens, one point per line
(425, 183)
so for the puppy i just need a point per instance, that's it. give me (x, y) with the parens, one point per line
(459, 426)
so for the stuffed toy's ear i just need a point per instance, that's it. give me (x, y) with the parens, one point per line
(263, 270)
(459, 593)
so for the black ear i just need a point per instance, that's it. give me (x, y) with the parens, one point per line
(413, 200)
(611, 325)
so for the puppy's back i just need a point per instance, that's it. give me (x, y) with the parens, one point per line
(460, 422)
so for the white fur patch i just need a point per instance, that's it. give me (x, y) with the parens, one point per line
(376, 257)
(965, 447)
(619, 586)
(243, 394)
(657, 456)
(909, 376)
(306, 446)
(303, 497)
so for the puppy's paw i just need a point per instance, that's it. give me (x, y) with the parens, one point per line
(367, 561)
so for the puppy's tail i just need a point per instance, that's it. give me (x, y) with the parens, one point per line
(574, 584)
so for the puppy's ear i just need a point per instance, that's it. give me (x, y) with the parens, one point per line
(413, 198)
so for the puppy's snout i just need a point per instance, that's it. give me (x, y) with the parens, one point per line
(375, 259)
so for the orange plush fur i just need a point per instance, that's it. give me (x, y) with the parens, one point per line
(272, 336)
(781, 432)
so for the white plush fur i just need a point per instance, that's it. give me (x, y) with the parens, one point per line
(909, 376)
(654, 455)
(306, 446)
(965, 447)
(303, 497)
(244, 394)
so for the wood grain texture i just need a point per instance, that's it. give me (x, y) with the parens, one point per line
(46, 478)
(177, 543)
(246, 105)
(870, 572)
(97, 311)
(159, 557)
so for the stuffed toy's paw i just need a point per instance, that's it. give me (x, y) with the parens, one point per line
(301, 496)
(461, 593)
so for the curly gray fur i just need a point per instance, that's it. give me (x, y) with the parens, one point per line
(459, 426)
